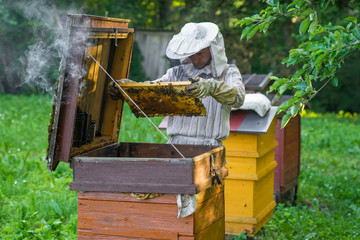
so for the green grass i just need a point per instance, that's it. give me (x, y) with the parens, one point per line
(37, 204)
(34, 203)
(328, 204)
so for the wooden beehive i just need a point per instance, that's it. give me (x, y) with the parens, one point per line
(109, 215)
(250, 155)
(84, 131)
(287, 155)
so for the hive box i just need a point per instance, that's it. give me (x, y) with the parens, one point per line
(84, 131)
(250, 155)
(111, 215)
(287, 154)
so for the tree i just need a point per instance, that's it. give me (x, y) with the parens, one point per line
(323, 48)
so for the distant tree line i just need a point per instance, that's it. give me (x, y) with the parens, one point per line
(262, 53)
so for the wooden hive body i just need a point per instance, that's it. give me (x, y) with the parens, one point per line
(103, 215)
(250, 185)
(287, 155)
(84, 132)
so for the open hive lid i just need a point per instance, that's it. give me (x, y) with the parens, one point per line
(84, 117)
(162, 99)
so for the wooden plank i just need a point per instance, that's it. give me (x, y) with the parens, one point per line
(279, 156)
(265, 140)
(209, 211)
(140, 188)
(128, 219)
(183, 237)
(133, 176)
(116, 196)
(85, 235)
(68, 106)
(101, 146)
(135, 233)
(112, 110)
(241, 142)
(119, 216)
(216, 231)
(139, 172)
(202, 175)
(96, 90)
(291, 174)
(78, 20)
(128, 149)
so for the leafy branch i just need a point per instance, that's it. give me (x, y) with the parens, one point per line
(316, 59)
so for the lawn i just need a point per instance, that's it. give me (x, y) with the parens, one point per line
(37, 204)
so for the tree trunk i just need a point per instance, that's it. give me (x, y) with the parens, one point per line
(164, 6)
(7, 80)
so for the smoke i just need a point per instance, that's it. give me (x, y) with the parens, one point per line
(41, 60)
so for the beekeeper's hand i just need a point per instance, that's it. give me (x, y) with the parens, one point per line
(221, 91)
(114, 91)
(199, 88)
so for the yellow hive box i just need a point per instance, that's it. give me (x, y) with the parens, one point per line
(249, 187)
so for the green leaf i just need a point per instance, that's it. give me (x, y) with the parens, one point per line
(293, 3)
(273, 78)
(337, 36)
(357, 32)
(283, 88)
(295, 109)
(277, 83)
(320, 59)
(315, 73)
(316, 32)
(301, 86)
(316, 53)
(291, 9)
(304, 25)
(299, 94)
(298, 73)
(335, 81)
(351, 19)
(246, 31)
(253, 31)
(286, 118)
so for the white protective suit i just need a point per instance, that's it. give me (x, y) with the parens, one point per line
(226, 91)
(229, 90)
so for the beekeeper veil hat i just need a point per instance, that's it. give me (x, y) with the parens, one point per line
(194, 37)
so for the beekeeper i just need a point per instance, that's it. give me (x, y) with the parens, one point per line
(198, 52)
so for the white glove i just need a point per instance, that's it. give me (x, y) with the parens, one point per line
(221, 91)
(199, 88)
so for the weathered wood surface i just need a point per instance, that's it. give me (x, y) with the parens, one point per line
(287, 155)
(89, 92)
(83, 20)
(149, 168)
(119, 216)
